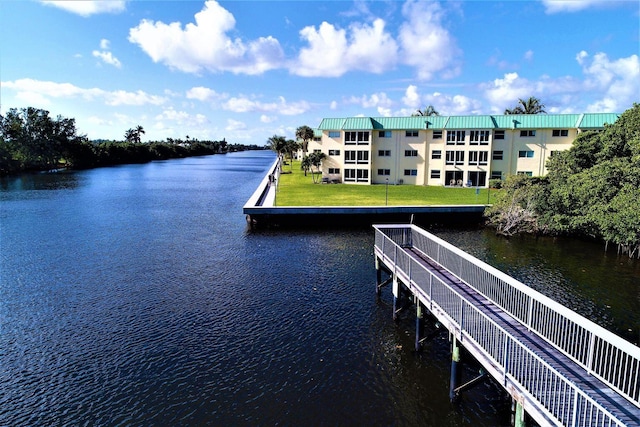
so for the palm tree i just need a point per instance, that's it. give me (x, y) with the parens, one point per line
(291, 147)
(305, 134)
(428, 111)
(529, 106)
(316, 159)
(305, 164)
(130, 135)
(139, 130)
(278, 144)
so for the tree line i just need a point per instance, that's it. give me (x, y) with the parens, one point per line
(32, 140)
(592, 189)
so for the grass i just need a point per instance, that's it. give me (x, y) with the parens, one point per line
(295, 189)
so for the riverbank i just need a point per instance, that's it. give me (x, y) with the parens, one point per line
(263, 208)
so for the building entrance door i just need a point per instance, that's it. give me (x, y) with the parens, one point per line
(453, 178)
(478, 179)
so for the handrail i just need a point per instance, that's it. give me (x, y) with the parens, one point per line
(602, 353)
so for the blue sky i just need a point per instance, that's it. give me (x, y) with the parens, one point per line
(246, 70)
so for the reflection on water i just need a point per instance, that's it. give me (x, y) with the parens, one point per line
(138, 295)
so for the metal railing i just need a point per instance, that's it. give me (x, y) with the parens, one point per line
(603, 354)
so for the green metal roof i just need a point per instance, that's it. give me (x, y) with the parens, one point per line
(596, 120)
(331, 124)
(470, 122)
(358, 123)
(513, 121)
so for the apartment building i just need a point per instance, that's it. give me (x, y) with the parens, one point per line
(446, 150)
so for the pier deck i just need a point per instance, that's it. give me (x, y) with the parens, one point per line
(559, 367)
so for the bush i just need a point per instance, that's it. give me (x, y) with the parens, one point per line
(495, 183)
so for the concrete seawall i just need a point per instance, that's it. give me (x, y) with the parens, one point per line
(261, 212)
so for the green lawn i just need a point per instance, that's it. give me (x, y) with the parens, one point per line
(295, 189)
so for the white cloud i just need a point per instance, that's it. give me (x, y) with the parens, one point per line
(282, 106)
(107, 58)
(87, 8)
(504, 93)
(181, 118)
(363, 47)
(617, 81)
(267, 119)
(44, 90)
(205, 45)
(528, 55)
(233, 125)
(426, 44)
(202, 93)
(333, 105)
(411, 97)
(105, 55)
(555, 6)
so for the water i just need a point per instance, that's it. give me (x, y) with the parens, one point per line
(138, 295)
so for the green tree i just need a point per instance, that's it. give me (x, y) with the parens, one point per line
(140, 131)
(305, 164)
(291, 147)
(130, 136)
(427, 112)
(529, 106)
(304, 134)
(315, 159)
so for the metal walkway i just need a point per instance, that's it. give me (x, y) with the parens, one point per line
(559, 367)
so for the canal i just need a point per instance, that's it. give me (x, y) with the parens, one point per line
(137, 295)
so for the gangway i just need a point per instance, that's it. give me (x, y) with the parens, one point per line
(559, 367)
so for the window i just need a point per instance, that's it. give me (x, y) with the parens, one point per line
(363, 157)
(456, 137)
(454, 158)
(478, 157)
(412, 133)
(349, 174)
(334, 171)
(384, 172)
(496, 175)
(352, 137)
(436, 154)
(527, 173)
(384, 134)
(362, 175)
(554, 153)
(349, 156)
(435, 174)
(411, 153)
(384, 153)
(437, 134)
(473, 157)
(497, 155)
(498, 134)
(334, 152)
(483, 158)
(527, 133)
(334, 134)
(525, 153)
(317, 151)
(479, 136)
(451, 157)
(317, 139)
(363, 137)
(411, 172)
(560, 132)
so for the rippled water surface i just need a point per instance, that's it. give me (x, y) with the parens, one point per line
(137, 295)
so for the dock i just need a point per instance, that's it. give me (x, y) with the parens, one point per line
(558, 367)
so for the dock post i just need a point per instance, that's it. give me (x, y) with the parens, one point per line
(378, 278)
(455, 358)
(396, 296)
(419, 325)
(517, 414)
